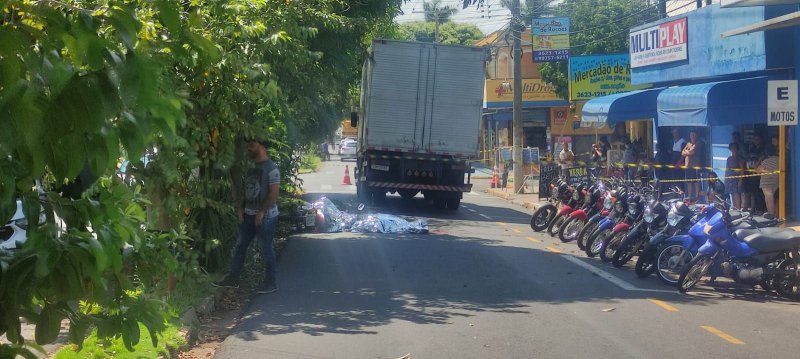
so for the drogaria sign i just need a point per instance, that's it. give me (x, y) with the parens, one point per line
(660, 44)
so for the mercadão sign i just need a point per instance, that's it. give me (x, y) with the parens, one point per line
(599, 75)
(662, 43)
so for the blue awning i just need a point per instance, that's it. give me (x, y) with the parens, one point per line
(736, 102)
(621, 107)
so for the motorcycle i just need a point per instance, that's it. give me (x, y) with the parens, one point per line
(593, 204)
(678, 251)
(747, 256)
(605, 227)
(575, 202)
(544, 215)
(654, 221)
(680, 218)
(611, 242)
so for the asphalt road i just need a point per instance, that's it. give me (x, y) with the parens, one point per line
(483, 285)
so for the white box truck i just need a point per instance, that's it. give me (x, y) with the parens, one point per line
(419, 120)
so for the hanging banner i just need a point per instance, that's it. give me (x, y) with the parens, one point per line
(662, 43)
(600, 75)
(550, 39)
(559, 115)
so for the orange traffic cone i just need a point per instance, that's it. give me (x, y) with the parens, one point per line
(346, 180)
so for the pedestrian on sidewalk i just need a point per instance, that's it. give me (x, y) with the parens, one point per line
(326, 153)
(565, 157)
(258, 216)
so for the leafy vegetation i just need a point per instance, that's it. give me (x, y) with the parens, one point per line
(176, 87)
(96, 347)
(597, 27)
(449, 33)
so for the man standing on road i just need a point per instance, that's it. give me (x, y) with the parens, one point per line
(326, 152)
(258, 216)
(565, 157)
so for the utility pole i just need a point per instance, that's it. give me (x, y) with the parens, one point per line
(517, 114)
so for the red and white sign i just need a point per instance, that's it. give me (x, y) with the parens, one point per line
(662, 43)
(559, 115)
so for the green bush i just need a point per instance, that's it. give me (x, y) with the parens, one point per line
(168, 345)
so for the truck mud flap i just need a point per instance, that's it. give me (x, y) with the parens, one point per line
(421, 187)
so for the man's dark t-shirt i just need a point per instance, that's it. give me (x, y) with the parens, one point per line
(257, 182)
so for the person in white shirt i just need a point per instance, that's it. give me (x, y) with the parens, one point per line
(565, 157)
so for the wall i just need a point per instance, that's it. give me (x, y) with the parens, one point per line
(710, 55)
(502, 65)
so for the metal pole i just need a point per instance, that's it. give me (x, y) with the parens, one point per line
(517, 117)
(782, 193)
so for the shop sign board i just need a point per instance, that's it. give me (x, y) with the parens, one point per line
(661, 43)
(548, 173)
(500, 93)
(782, 103)
(600, 75)
(550, 39)
(559, 115)
(577, 175)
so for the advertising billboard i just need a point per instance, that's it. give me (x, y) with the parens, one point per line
(599, 75)
(661, 43)
(550, 39)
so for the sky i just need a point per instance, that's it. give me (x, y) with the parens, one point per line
(489, 18)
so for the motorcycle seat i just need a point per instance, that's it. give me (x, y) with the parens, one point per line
(741, 234)
(774, 241)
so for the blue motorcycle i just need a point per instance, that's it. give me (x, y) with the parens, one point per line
(766, 256)
(676, 252)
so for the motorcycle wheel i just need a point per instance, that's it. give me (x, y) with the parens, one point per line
(555, 225)
(627, 249)
(570, 229)
(595, 243)
(541, 218)
(645, 265)
(611, 246)
(786, 283)
(584, 234)
(671, 261)
(694, 272)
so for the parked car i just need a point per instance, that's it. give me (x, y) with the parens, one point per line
(348, 150)
(14, 232)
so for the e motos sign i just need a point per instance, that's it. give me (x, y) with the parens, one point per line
(782, 103)
(660, 44)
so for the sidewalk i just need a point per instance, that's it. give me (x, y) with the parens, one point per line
(527, 200)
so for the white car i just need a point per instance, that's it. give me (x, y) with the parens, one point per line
(14, 232)
(348, 150)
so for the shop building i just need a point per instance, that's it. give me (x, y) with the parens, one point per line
(715, 86)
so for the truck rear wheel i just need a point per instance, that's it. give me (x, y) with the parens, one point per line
(453, 203)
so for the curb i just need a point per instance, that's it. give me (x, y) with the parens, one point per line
(534, 205)
(191, 318)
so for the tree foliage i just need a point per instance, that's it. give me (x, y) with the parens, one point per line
(84, 82)
(597, 27)
(450, 33)
(436, 12)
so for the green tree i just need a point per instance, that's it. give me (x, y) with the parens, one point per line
(85, 82)
(450, 33)
(436, 13)
(597, 27)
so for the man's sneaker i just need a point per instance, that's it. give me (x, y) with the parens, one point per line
(267, 288)
(227, 282)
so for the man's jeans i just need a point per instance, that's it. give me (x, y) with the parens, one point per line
(265, 234)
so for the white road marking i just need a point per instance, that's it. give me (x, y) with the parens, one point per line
(610, 277)
(472, 210)
(484, 216)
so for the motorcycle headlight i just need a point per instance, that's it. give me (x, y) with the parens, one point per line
(673, 219)
(649, 217)
(576, 196)
(607, 203)
(632, 210)
(587, 198)
(619, 207)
